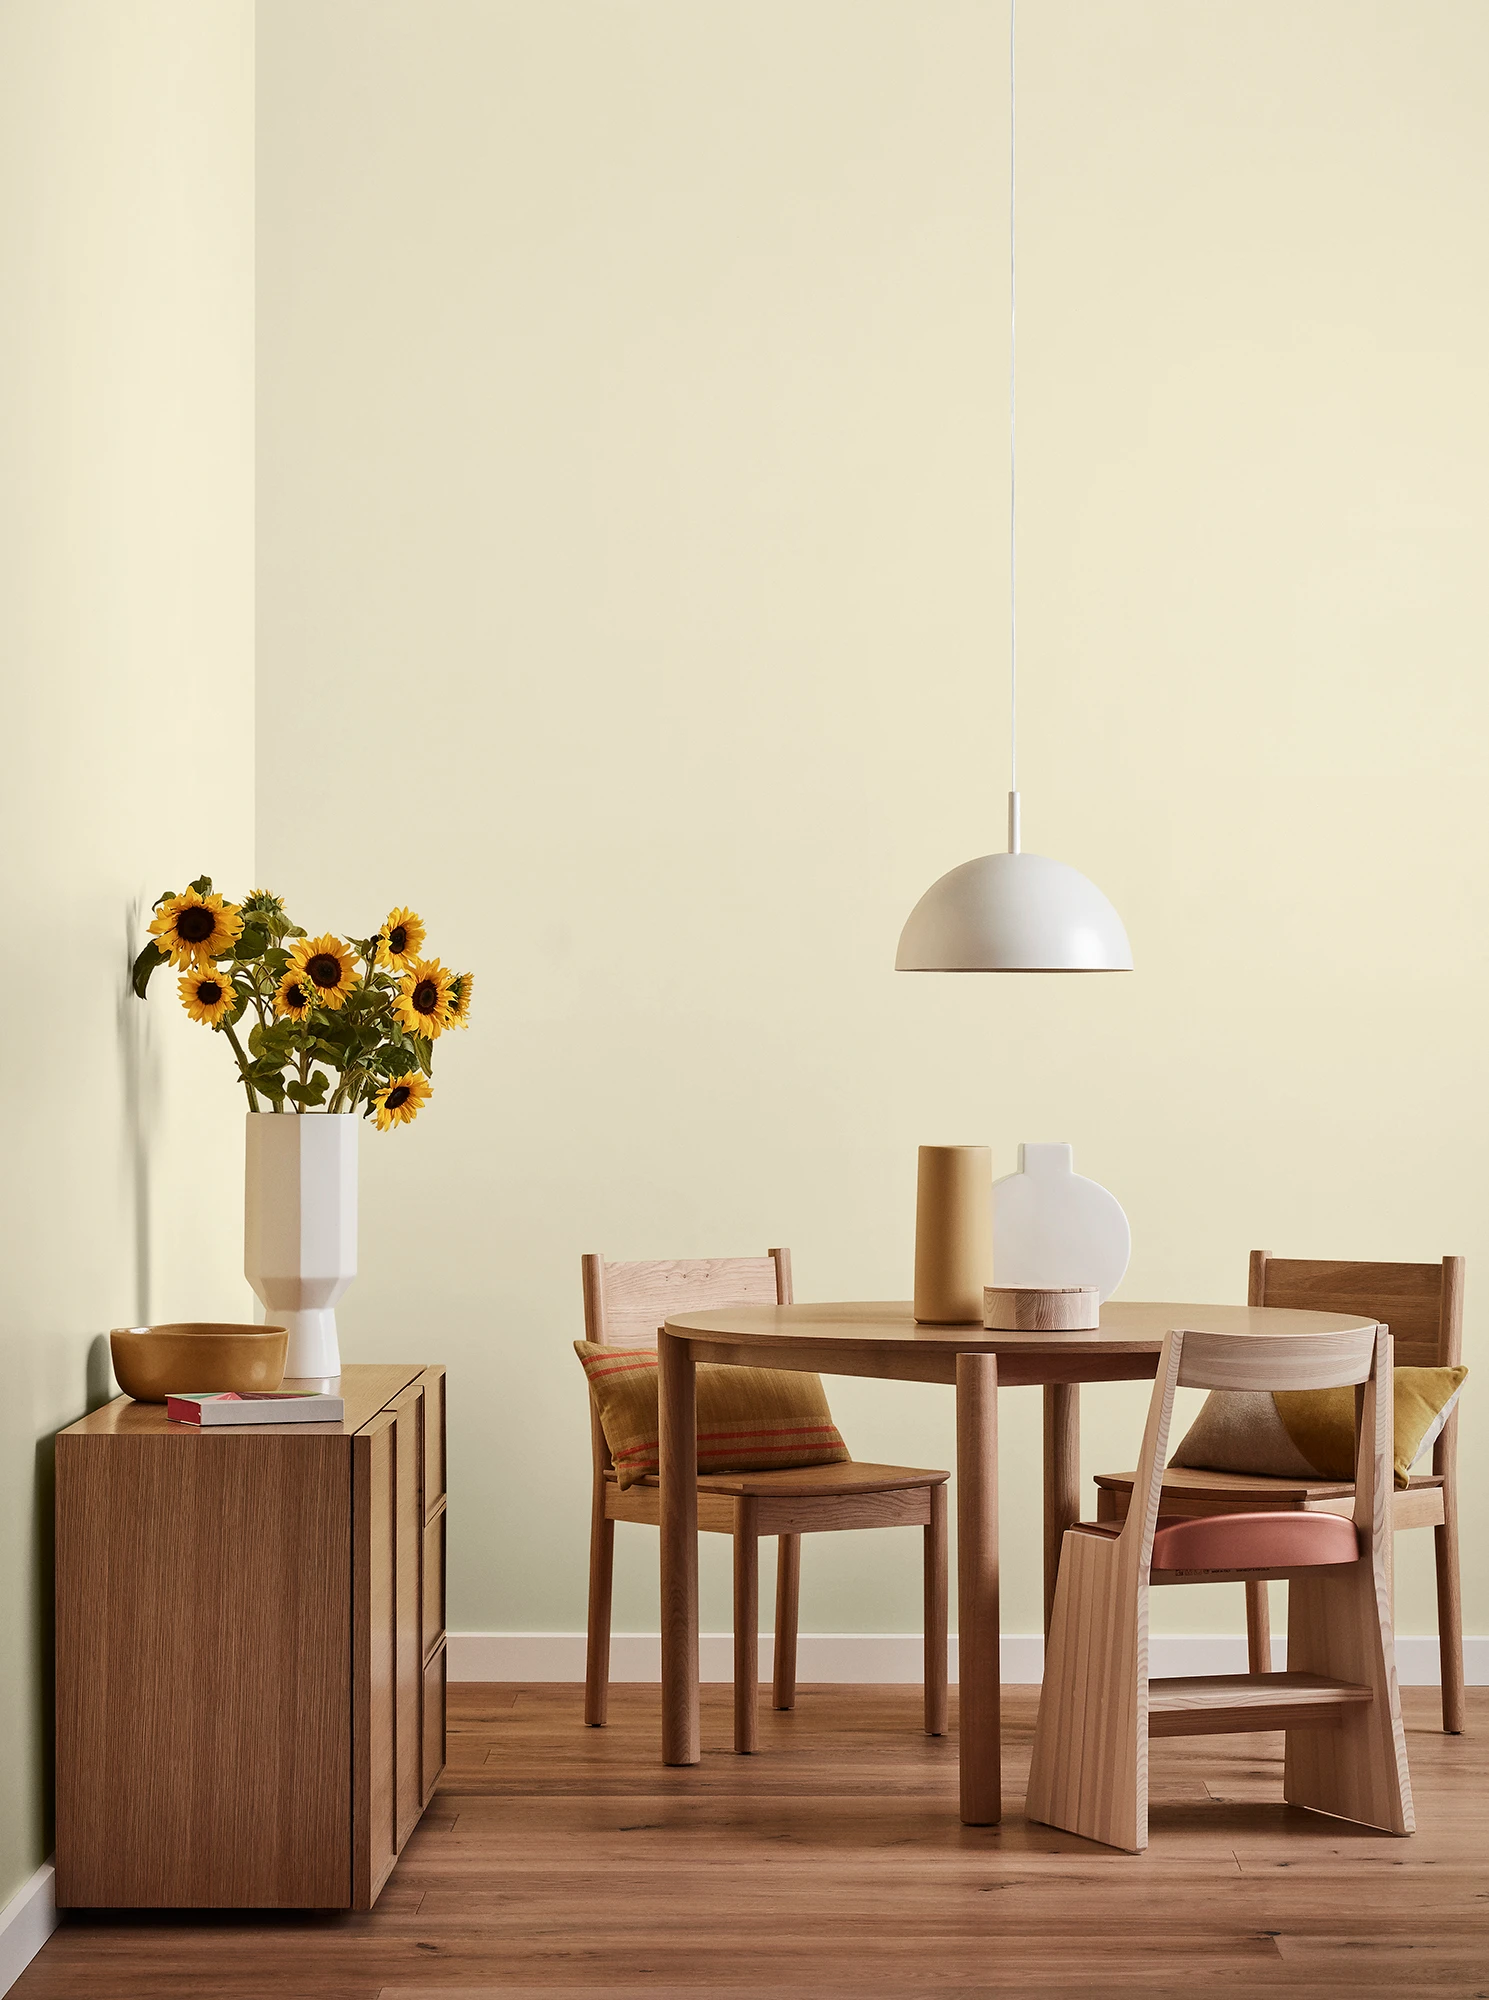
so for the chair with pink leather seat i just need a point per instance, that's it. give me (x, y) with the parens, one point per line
(1338, 1700)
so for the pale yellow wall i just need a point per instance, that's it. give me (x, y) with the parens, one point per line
(633, 602)
(126, 664)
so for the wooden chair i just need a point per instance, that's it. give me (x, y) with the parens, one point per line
(1338, 1701)
(1422, 1305)
(624, 1305)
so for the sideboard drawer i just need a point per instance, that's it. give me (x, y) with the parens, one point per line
(434, 1582)
(434, 1438)
(434, 1722)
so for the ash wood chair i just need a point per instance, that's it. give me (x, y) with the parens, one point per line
(1338, 1701)
(624, 1305)
(1422, 1305)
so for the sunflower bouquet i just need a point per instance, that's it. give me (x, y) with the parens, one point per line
(335, 1023)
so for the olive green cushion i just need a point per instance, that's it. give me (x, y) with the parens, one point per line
(749, 1419)
(1310, 1433)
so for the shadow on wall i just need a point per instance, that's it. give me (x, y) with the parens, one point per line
(141, 1093)
(141, 1083)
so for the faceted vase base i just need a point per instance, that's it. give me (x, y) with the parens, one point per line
(313, 1348)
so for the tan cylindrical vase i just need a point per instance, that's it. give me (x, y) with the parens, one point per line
(953, 1234)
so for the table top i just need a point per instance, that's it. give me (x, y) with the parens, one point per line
(1128, 1327)
(365, 1388)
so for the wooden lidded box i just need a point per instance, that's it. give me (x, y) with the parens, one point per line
(250, 1650)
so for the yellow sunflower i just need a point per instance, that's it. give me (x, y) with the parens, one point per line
(294, 997)
(423, 1003)
(327, 967)
(193, 930)
(207, 995)
(398, 1102)
(460, 992)
(401, 939)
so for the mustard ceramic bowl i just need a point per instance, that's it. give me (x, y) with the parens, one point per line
(153, 1362)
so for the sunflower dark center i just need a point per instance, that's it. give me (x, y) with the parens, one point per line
(209, 993)
(426, 997)
(398, 940)
(296, 996)
(195, 925)
(323, 970)
(399, 1094)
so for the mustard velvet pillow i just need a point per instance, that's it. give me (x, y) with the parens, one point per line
(749, 1419)
(1310, 1433)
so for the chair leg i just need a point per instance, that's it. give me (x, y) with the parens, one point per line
(1089, 1771)
(746, 1624)
(597, 1642)
(788, 1595)
(1338, 1625)
(936, 1598)
(1450, 1612)
(1258, 1629)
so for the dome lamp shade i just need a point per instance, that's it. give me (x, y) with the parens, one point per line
(1013, 913)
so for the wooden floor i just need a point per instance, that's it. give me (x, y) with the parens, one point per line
(559, 1861)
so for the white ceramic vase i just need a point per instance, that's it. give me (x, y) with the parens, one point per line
(1053, 1228)
(300, 1228)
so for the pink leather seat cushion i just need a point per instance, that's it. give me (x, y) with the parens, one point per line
(1255, 1541)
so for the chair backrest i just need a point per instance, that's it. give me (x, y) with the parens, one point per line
(1285, 1361)
(1422, 1304)
(624, 1304)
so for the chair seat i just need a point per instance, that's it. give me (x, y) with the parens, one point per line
(1290, 1540)
(824, 1480)
(1183, 1484)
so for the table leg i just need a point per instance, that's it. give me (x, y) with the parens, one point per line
(1062, 1478)
(677, 1394)
(979, 1684)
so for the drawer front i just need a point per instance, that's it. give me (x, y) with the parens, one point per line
(434, 1438)
(409, 1412)
(374, 1658)
(203, 1606)
(434, 1582)
(434, 1723)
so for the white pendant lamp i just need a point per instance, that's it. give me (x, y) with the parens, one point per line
(1013, 912)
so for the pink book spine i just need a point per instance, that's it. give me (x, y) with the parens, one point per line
(183, 1410)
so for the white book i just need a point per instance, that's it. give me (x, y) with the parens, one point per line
(255, 1406)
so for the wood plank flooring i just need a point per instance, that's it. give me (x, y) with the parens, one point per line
(558, 1863)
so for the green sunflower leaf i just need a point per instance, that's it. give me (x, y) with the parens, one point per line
(425, 1051)
(397, 1062)
(151, 957)
(252, 942)
(202, 885)
(312, 1092)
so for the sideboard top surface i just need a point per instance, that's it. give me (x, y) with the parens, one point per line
(365, 1389)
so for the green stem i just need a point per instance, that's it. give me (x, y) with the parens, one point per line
(253, 1103)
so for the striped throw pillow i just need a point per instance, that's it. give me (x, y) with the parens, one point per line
(749, 1419)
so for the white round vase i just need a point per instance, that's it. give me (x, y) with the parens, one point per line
(300, 1228)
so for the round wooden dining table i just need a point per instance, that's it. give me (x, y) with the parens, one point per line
(884, 1340)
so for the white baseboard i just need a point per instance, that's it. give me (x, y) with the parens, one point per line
(880, 1656)
(26, 1922)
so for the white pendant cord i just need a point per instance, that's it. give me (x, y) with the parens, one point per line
(1013, 542)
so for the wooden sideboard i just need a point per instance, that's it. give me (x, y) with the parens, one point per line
(250, 1650)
